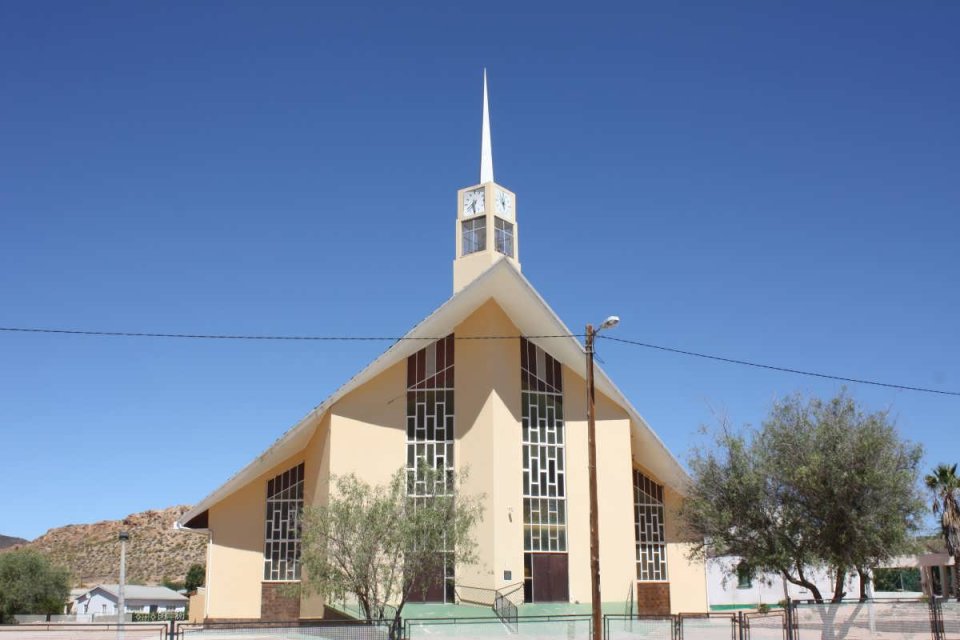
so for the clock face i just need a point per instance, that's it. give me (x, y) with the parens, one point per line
(504, 202)
(473, 202)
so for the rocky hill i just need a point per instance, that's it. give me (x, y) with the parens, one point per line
(9, 541)
(156, 551)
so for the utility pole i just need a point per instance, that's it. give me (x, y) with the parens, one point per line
(597, 613)
(121, 600)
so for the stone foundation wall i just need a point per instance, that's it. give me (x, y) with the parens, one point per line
(653, 598)
(276, 605)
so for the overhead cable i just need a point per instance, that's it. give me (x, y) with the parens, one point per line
(636, 343)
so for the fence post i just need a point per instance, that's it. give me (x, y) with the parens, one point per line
(936, 618)
(739, 622)
(788, 619)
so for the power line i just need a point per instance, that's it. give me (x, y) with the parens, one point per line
(776, 368)
(637, 343)
(210, 336)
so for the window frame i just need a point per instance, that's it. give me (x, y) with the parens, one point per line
(282, 529)
(650, 539)
(545, 515)
(503, 231)
(474, 229)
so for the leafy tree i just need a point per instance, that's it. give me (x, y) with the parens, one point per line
(29, 584)
(196, 576)
(821, 483)
(381, 545)
(944, 484)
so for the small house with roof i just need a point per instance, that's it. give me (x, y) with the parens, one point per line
(103, 599)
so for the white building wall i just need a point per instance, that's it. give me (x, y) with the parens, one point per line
(766, 588)
(97, 602)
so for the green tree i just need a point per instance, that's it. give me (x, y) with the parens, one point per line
(375, 541)
(944, 484)
(196, 576)
(29, 584)
(820, 484)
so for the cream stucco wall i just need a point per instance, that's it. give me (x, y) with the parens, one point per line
(614, 494)
(316, 491)
(488, 443)
(688, 578)
(235, 553)
(368, 428)
(364, 433)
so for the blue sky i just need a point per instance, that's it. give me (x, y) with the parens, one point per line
(767, 181)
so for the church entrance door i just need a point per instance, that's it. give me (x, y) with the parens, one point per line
(549, 577)
(435, 585)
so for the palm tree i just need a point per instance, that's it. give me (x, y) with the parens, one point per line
(945, 486)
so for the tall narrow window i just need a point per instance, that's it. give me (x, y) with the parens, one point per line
(503, 236)
(544, 475)
(281, 553)
(648, 521)
(430, 434)
(474, 235)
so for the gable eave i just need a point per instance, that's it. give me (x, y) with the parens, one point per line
(438, 324)
(534, 318)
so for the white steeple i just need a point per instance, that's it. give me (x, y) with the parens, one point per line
(486, 148)
(487, 230)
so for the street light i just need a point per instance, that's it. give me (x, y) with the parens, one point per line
(121, 600)
(609, 323)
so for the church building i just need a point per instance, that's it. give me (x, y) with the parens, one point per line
(513, 411)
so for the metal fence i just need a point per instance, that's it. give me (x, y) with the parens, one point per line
(936, 619)
(321, 629)
(769, 625)
(949, 619)
(571, 627)
(83, 631)
(869, 620)
(706, 626)
(627, 627)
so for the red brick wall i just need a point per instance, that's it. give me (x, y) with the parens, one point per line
(276, 605)
(653, 598)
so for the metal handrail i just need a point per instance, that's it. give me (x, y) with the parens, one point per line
(489, 595)
(508, 612)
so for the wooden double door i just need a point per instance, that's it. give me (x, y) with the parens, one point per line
(435, 584)
(546, 577)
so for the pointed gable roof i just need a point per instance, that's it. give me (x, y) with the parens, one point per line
(528, 311)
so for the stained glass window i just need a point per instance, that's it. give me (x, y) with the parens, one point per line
(648, 522)
(544, 469)
(281, 554)
(430, 414)
(430, 429)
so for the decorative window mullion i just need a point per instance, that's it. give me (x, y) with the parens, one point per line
(544, 463)
(648, 527)
(430, 413)
(281, 553)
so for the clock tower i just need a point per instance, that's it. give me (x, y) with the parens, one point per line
(486, 217)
